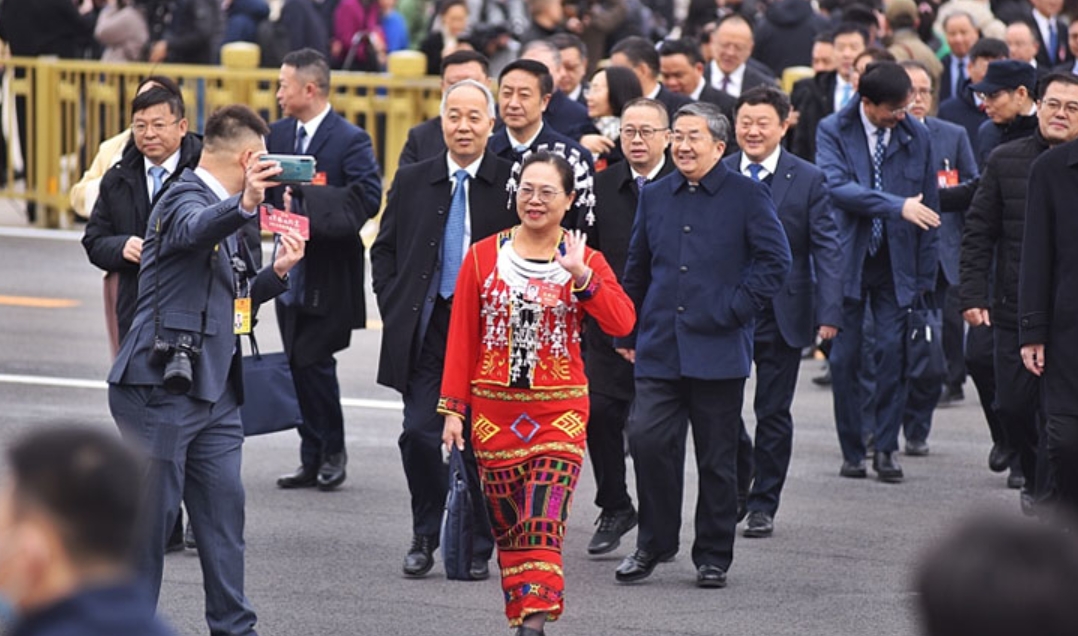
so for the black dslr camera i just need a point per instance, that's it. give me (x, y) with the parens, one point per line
(178, 360)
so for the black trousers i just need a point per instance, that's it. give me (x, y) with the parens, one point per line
(421, 442)
(1018, 403)
(954, 329)
(606, 448)
(980, 343)
(658, 430)
(924, 394)
(1061, 444)
(319, 397)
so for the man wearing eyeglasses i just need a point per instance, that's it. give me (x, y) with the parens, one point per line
(645, 135)
(882, 179)
(990, 293)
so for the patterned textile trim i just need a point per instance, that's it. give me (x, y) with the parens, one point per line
(484, 429)
(453, 406)
(550, 617)
(532, 566)
(534, 589)
(529, 395)
(588, 289)
(521, 453)
(572, 424)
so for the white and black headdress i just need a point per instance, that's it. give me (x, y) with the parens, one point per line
(583, 181)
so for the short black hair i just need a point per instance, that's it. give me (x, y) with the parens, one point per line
(88, 482)
(230, 124)
(919, 65)
(166, 83)
(688, 47)
(465, 56)
(446, 5)
(824, 37)
(622, 86)
(569, 41)
(565, 171)
(310, 62)
(847, 28)
(1055, 78)
(861, 15)
(538, 69)
(885, 83)
(637, 49)
(990, 48)
(156, 96)
(766, 94)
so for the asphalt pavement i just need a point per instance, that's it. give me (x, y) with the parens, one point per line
(840, 561)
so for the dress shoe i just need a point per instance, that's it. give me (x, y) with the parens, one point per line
(638, 565)
(760, 525)
(951, 394)
(612, 527)
(420, 557)
(823, 380)
(854, 470)
(303, 477)
(528, 631)
(175, 540)
(887, 469)
(479, 570)
(189, 537)
(1016, 479)
(999, 458)
(331, 474)
(916, 448)
(710, 576)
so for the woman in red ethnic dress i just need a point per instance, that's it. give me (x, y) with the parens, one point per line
(513, 363)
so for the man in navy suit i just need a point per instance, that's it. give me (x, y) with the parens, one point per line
(809, 302)
(965, 108)
(706, 255)
(574, 61)
(1050, 31)
(426, 140)
(683, 73)
(733, 69)
(415, 295)
(195, 266)
(882, 177)
(954, 164)
(961, 34)
(524, 89)
(326, 301)
(639, 54)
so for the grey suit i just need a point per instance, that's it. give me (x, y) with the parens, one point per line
(193, 441)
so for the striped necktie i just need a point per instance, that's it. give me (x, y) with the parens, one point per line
(876, 238)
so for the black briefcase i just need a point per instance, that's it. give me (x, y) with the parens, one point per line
(457, 522)
(924, 343)
(270, 403)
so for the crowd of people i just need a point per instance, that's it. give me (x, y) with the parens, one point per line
(596, 255)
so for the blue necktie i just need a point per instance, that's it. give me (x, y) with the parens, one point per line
(1053, 42)
(301, 140)
(157, 173)
(640, 183)
(754, 171)
(847, 93)
(876, 239)
(960, 76)
(453, 242)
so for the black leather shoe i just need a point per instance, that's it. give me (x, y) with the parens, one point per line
(189, 537)
(854, 470)
(951, 394)
(175, 540)
(710, 576)
(528, 631)
(1016, 479)
(638, 565)
(479, 570)
(420, 557)
(999, 458)
(331, 474)
(823, 380)
(887, 469)
(916, 448)
(760, 525)
(303, 477)
(612, 527)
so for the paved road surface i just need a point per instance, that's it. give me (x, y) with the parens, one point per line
(840, 561)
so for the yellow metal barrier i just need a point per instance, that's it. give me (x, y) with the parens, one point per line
(70, 106)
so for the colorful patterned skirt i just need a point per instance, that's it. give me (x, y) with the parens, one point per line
(529, 455)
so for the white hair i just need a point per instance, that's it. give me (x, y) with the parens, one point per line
(470, 82)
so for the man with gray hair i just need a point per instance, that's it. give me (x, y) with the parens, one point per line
(706, 255)
(436, 208)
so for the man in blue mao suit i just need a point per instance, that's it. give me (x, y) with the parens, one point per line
(194, 265)
(707, 253)
(809, 302)
(327, 300)
(882, 176)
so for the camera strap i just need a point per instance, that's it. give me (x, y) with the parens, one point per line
(159, 236)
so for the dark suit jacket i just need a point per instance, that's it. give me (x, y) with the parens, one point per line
(702, 261)
(946, 78)
(1047, 306)
(121, 211)
(952, 149)
(961, 109)
(566, 116)
(616, 197)
(754, 75)
(500, 146)
(332, 288)
(908, 170)
(812, 292)
(814, 99)
(98, 610)
(188, 255)
(45, 27)
(672, 100)
(725, 101)
(305, 26)
(425, 140)
(405, 258)
(1047, 59)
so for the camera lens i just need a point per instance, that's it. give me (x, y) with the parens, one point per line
(178, 376)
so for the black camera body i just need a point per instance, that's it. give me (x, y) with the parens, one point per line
(178, 358)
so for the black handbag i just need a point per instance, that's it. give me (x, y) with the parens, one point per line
(270, 403)
(924, 343)
(457, 522)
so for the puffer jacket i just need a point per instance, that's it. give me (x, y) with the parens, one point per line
(994, 226)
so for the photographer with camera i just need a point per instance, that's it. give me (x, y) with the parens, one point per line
(177, 382)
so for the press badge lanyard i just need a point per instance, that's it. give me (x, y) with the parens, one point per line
(241, 312)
